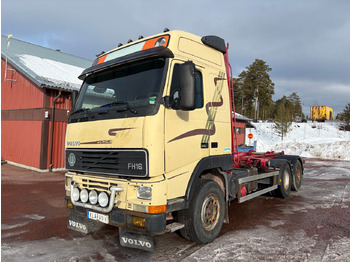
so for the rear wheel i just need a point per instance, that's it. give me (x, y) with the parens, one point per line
(297, 176)
(285, 183)
(204, 217)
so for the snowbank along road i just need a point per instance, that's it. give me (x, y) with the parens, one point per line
(318, 140)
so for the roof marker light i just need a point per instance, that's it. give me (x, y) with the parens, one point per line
(102, 52)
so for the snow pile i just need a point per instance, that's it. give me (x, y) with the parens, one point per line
(319, 140)
(53, 71)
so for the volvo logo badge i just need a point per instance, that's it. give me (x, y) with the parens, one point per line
(72, 159)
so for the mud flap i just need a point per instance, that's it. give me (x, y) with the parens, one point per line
(81, 224)
(135, 240)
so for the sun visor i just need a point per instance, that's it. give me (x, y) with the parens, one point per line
(143, 54)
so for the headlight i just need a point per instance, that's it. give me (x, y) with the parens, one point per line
(84, 195)
(103, 199)
(93, 197)
(144, 192)
(75, 194)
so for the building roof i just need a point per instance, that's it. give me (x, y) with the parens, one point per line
(247, 120)
(45, 67)
(242, 117)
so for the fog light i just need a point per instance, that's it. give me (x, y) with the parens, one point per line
(93, 197)
(84, 195)
(144, 192)
(139, 221)
(103, 199)
(75, 194)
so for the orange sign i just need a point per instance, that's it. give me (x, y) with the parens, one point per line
(250, 136)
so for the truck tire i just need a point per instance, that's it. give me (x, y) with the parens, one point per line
(285, 184)
(297, 176)
(204, 217)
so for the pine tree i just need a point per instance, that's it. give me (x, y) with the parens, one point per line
(254, 91)
(282, 123)
(345, 116)
(296, 109)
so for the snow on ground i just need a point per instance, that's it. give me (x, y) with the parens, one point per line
(318, 140)
(266, 244)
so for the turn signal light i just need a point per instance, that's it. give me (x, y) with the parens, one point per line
(69, 204)
(156, 209)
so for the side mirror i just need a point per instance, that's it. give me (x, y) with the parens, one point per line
(74, 98)
(187, 86)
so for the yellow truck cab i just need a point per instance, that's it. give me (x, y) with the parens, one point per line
(321, 113)
(149, 144)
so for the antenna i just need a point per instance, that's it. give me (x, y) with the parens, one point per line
(8, 69)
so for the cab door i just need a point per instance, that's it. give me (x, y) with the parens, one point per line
(186, 136)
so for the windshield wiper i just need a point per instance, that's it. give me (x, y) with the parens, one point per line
(87, 110)
(128, 107)
(80, 110)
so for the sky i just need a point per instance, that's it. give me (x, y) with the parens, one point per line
(306, 43)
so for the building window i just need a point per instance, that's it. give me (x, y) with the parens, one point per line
(239, 130)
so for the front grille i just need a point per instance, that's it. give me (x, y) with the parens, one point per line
(121, 162)
(97, 185)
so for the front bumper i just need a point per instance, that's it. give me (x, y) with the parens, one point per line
(154, 224)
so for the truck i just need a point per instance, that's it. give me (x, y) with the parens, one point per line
(151, 145)
(321, 113)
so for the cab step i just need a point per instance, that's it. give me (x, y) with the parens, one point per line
(174, 226)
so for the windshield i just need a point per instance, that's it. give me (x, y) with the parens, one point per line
(124, 91)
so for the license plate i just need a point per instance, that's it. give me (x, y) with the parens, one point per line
(98, 217)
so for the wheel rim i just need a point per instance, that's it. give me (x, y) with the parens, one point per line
(286, 179)
(210, 212)
(298, 175)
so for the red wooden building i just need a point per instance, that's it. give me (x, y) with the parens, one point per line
(36, 89)
(242, 124)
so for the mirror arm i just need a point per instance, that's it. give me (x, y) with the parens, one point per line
(74, 97)
(166, 102)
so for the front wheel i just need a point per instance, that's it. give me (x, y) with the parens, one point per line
(204, 217)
